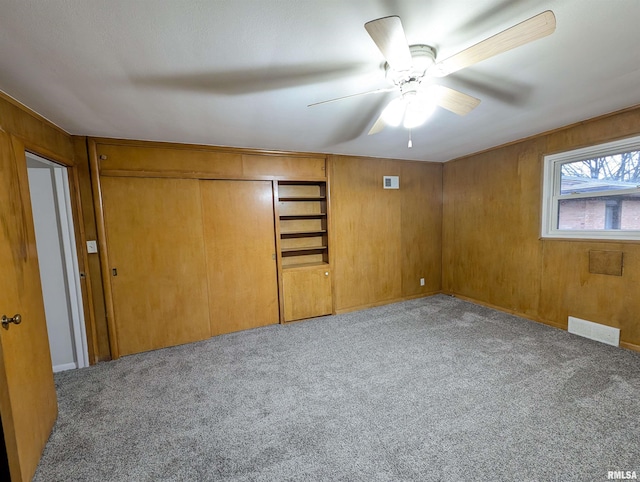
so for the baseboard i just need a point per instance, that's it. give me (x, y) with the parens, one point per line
(629, 346)
(64, 367)
(553, 324)
(386, 302)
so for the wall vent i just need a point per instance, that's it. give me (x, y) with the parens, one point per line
(391, 182)
(594, 331)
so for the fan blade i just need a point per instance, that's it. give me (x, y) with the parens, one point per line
(532, 29)
(377, 91)
(252, 80)
(452, 100)
(388, 35)
(377, 126)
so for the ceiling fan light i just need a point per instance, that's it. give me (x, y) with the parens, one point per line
(394, 112)
(417, 113)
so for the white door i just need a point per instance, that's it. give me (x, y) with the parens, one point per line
(58, 261)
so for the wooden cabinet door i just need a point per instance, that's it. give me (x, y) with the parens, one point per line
(27, 394)
(307, 292)
(156, 247)
(240, 245)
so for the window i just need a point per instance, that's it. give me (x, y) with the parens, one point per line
(593, 192)
(612, 214)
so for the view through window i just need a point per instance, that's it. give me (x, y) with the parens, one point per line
(594, 192)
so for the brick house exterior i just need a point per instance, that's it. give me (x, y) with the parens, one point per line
(591, 214)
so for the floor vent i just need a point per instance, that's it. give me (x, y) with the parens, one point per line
(594, 331)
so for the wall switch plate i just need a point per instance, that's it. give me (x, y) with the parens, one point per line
(92, 247)
(421, 281)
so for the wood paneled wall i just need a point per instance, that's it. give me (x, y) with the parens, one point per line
(163, 159)
(492, 251)
(47, 140)
(470, 227)
(34, 130)
(384, 240)
(237, 221)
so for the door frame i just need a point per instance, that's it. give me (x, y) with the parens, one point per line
(72, 274)
(94, 168)
(82, 258)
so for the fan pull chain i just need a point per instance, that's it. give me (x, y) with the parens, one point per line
(410, 144)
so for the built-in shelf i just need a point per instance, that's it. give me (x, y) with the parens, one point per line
(303, 244)
(300, 234)
(302, 249)
(302, 214)
(302, 198)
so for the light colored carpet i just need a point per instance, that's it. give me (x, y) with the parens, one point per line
(430, 389)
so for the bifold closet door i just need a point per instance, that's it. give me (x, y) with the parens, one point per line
(157, 261)
(240, 245)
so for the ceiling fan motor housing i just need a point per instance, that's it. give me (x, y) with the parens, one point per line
(423, 57)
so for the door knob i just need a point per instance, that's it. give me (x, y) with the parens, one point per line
(16, 320)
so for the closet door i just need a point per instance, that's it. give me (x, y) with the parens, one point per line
(307, 292)
(240, 245)
(157, 261)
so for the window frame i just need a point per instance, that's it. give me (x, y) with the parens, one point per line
(551, 191)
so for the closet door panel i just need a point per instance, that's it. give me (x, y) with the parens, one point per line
(307, 292)
(157, 261)
(240, 245)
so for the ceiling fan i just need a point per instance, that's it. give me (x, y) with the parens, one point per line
(411, 69)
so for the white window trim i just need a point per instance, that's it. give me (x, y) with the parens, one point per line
(551, 186)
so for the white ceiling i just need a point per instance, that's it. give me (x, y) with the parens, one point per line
(241, 72)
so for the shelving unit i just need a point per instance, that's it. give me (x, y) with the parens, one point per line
(303, 245)
(302, 212)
